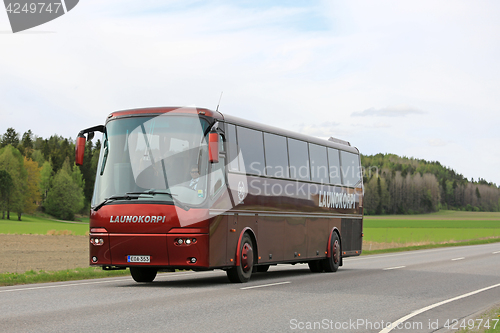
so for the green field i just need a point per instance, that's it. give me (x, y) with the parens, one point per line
(43, 226)
(441, 227)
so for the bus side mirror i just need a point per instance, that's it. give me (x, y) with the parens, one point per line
(213, 148)
(79, 150)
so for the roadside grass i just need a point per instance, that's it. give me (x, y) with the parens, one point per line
(41, 225)
(10, 279)
(431, 246)
(487, 322)
(441, 215)
(427, 235)
(407, 223)
(432, 230)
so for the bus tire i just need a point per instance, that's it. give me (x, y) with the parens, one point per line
(262, 268)
(143, 274)
(316, 266)
(332, 263)
(242, 272)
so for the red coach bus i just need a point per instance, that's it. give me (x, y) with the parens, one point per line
(191, 188)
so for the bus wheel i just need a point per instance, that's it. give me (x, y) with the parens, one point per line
(262, 268)
(332, 264)
(143, 274)
(242, 272)
(316, 266)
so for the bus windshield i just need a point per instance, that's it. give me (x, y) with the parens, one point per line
(160, 158)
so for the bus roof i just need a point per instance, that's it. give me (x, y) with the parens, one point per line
(158, 110)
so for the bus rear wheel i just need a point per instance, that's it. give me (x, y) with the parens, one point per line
(143, 274)
(316, 266)
(332, 263)
(242, 272)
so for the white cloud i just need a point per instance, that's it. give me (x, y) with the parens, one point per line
(390, 111)
(437, 142)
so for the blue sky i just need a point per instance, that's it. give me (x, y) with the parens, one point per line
(414, 78)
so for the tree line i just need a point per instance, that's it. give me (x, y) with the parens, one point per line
(401, 185)
(37, 173)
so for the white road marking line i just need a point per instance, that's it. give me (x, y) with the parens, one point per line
(461, 258)
(60, 285)
(266, 285)
(371, 256)
(496, 252)
(435, 305)
(388, 269)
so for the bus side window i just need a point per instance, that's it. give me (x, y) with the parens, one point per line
(334, 164)
(299, 159)
(276, 155)
(251, 145)
(350, 168)
(232, 148)
(217, 179)
(319, 164)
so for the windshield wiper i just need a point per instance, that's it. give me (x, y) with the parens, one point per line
(127, 196)
(135, 195)
(154, 192)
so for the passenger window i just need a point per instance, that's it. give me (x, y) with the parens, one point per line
(217, 179)
(251, 145)
(351, 174)
(319, 163)
(232, 148)
(299, 159)
(334, 164)
(276, 155)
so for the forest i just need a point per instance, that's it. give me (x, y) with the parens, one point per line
(402, 185)
(38, 174)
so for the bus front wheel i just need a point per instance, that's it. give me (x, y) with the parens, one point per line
(242, 272)
(332, 263)
(143, 274)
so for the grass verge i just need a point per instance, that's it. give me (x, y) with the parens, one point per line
(41, 225)
(432, 246)
(11, 279)
(487, 322)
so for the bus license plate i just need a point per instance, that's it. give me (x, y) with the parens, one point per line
(138, 259)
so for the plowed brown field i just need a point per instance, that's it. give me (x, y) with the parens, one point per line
(21, 253)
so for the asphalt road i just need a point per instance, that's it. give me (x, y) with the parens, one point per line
(367, 293)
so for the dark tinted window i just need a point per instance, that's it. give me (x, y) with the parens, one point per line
(334, 162)
(276, 155)
(350, 168)
(232, 147)
(319, 164)
(299, 159)
(251, 145)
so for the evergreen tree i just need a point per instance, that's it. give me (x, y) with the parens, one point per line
(11, 137)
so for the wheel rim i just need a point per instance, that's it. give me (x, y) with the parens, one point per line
(246, 258)
(336, 251)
